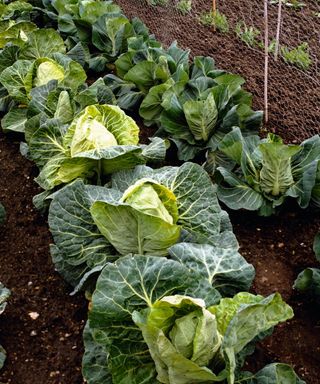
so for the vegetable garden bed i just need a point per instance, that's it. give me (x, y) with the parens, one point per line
(42, 326)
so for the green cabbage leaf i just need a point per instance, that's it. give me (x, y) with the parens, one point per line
(159, 323)
(263, 173)
(159, 208)
(100, 140)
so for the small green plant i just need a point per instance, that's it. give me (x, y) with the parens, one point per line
(298, 56)
(248, 34)
(272, 46)
(294, 4)
(218, 20)
(157, 2)
(184, 6)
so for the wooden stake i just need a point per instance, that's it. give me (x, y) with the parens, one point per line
(266, 62)
(276, 48)
(214, 13)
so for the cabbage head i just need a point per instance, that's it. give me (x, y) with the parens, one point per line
(100, 140)
(169, 324)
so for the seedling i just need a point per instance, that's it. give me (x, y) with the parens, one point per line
(298, 56)
(248, 34)
(217, 20)
(184, 6)
(294, 4)
(157, 2)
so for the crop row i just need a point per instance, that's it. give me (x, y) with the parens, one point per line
(151, 246)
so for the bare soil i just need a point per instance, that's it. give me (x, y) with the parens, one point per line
(47, 350)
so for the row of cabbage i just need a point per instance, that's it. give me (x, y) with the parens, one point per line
(202, 110)
(151, 247)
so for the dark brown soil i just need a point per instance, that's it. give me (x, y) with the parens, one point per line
(279, 248)
(48, 350)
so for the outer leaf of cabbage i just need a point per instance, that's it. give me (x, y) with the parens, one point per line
(95, 360)
(39, 103)
(62, 169)
(243, 318)
(305, 169)
(308, 281)
(90, 11)
(46, 141)
(276, 373)
(316, 246)
(239, 194)
(15, 9)
(79, 245)
(224, 268)
(8, 56)
(17, 79)
(42, 43)
(16, 33)
(97, 93)
(14, 120)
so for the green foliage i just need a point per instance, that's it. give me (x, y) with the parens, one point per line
(158, 2)
(308, 281)
(100, 140)
(267, 172)
(152, 208)
(15, 32)
(164, 249)
(298, 56)
(4, 295)
(184, 6)
(217, 19)
(15, 10)
(174, 331)
(294, 4)
(2, 214)
(248, 34)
